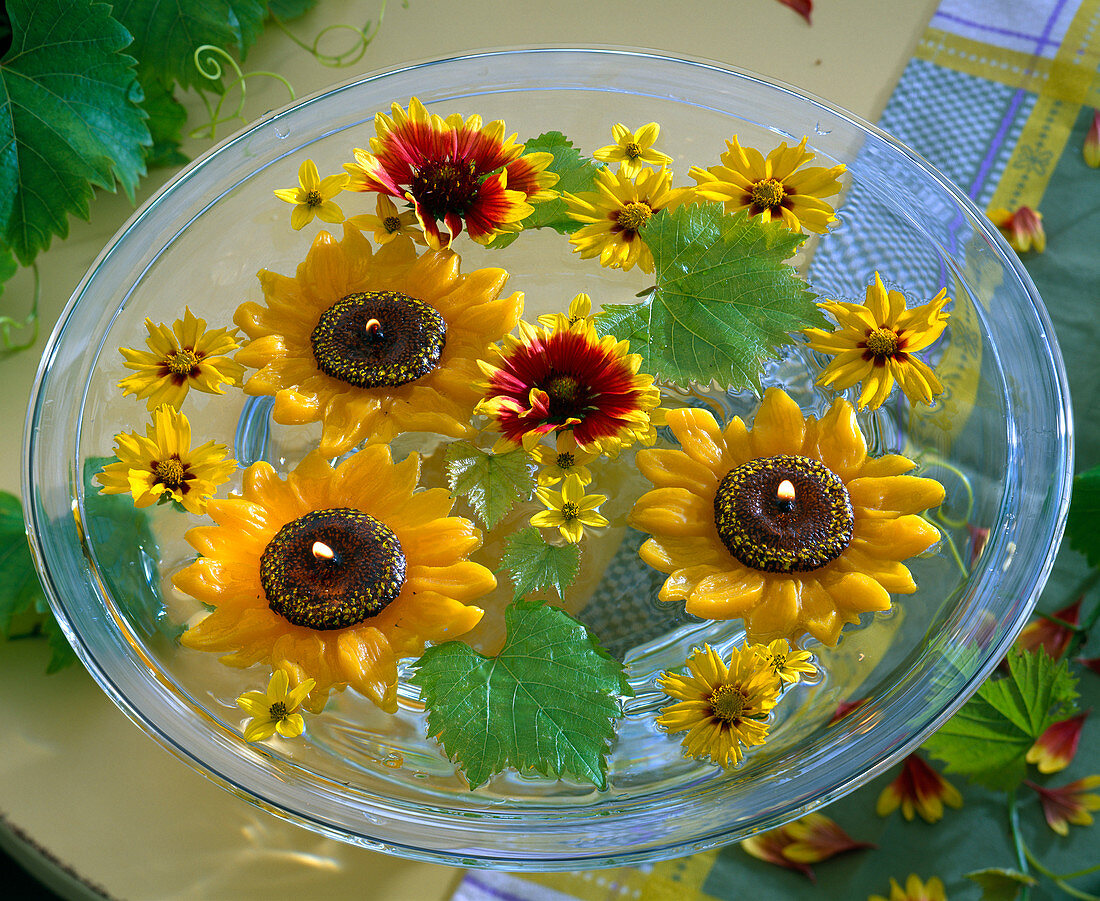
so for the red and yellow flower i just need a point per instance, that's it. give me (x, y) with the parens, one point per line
(1070, 804)
(918, 789)
(1055, 749)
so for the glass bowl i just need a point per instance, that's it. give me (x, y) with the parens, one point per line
(999, 439)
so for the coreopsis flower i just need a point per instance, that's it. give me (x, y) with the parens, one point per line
(564, 459)
(780, 186)
(374, 343)
(789, 526)
(1055, 749)
(723, 707)
(815, 838)
(334, 574)
(162, 465)
(275, 710)
(455, 173)
(1052, 637)
(1023, 229)
(580, 310)
(387, 222)
(768, 847)
(875, 344)
(1091, 148)
(570, 509)
(788, 663)
(633, 150)
(914, 890)
(918, 789)
(1070, 804)
(615, 213)
(313, 196)
(180, 358)
(568, 379)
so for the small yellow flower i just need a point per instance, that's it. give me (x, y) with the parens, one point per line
(163, 464)
(276, 709)
(580, 310)
(914, 890)
(633, 149)
(388, 223)
(720, 706)
(570, 509)
(1023, 229)
(313, 196)
(562, 460)
(179, 358)
(779, 187)
(875, 345)
(788, 664)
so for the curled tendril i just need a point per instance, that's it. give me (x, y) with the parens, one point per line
(354, 53)
(7, 323)
(208, 62)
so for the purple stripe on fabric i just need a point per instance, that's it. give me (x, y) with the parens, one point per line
(492, 890)
(1040, 41)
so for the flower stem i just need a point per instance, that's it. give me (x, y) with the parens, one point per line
(1060, 880)
(1022, 855)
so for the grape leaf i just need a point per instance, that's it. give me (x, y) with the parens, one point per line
(724, 298)
(547, 702)
(1084, 510)
(166, 120)
(492, 483)
(289, 9)
(536, 565)
(69, 121)
(8, 266)
(987, 739)
(1000, 884)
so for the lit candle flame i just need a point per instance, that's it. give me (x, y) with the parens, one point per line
(785, 492)
(373, 327)
(322, 551)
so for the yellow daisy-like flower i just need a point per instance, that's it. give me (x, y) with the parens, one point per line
(580, 310)
(875, 344)
(788, 664)
(722, 707)
(570, 509)
(789, 526)
(778, 187)
(333, 574)
(162, 465)
(387, 222)
(633, 149)
(914, 890)
(313, 196)
(275, 710)
(461, 315)
(179, 358)
(614, 214)
(564, 459)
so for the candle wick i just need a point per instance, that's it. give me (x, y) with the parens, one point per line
(322, 551)
(785, 496)
(373, 328)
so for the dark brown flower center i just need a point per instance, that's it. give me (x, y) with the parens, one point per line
(331, 569)
(882, 342)
(566, 461)
(181, 362)
(392, 224)
(768, 530)
(570, 511)
(278, 711)
(442, 187)
(727, 703)
(632, 151)
(634, 215)
(314, 199)
(768, 194)
(170, 472)
(379, 339)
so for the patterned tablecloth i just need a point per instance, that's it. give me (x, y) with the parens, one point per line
(998, 96)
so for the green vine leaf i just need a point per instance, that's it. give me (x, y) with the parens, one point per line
(492, 483)
(1000, 884)
(166, 120)
(724, 300)
(986, 741)
(1084, 508)
(70, 122)
(536, 565)
(547, 702)
(289, 9)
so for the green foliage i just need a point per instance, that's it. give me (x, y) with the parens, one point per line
(724, 300)
(492, 483)
(1084, 514)
(536, 565)
(547, 702)
(289, 9)
(987, 739)
(166, 120)
(999, 884)
(70, 123)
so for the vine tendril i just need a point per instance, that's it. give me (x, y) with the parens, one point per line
(363, 38)
(7, 323)
(210, 67)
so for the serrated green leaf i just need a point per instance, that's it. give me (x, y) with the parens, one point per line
(575, 173)
(289, 9)
(987, 739)
(69, 121)
(536, 565)
(547, 702)
(1000, 884)
(8, 268)
(166, 120)
(1084, 514)
(492, 483)
(724, 301)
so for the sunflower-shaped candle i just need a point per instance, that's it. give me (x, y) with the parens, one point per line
(374, 344)
(333, 574)
(789, 525)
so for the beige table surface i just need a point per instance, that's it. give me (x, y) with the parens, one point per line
(77, 779)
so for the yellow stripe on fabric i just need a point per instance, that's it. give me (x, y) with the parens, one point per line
(1010, 67)
(674, 880)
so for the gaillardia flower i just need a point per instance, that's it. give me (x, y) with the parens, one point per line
(373, 344)
(722, 707)
(616, 211)
(918, 789)
(334, 574)
(789, 525)
(275, 710)
(454, 172)
(162, 465)
(567, 378)
(179, 358)
(313, 196)
(779, 187)
(914, 890)
(875, 345)
(1051, 636)
(633, 149)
